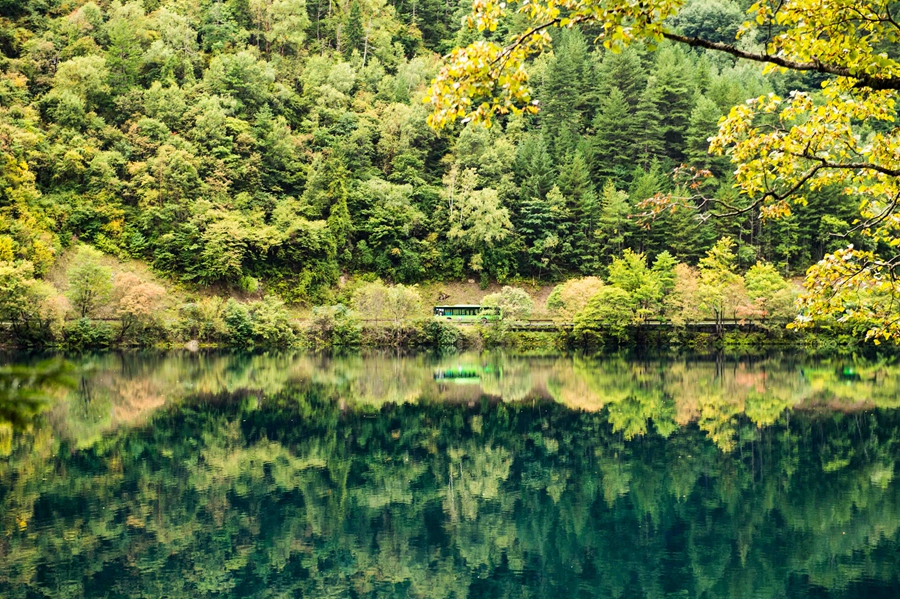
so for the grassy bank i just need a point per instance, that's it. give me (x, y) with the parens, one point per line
(93, 300)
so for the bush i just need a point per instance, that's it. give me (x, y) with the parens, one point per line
(84, 334)
(441, 334)
(334, 326)
(202, 320)
(138, 303)
(238, 324)
(249, 284)
(263, 323)
(271, 323)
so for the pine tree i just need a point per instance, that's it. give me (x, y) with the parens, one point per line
(648, 143)
(581, 199)
(685, 234)
(614, 228)
(534, 218)
(703, 125)
(536, 168)
(354, 30)
(339, 222)
(674, 86)
(564, 92)
(123, 56)
(624, 71)
(615, 130)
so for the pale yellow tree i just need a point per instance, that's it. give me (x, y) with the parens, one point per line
(138, 301)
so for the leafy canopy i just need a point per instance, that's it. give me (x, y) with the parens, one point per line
(786, 149)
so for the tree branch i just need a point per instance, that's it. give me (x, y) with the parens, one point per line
(853, 166)
(875, 220)
(863, 80)
(508, 50)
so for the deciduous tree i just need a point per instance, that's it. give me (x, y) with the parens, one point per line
(514, 301)
(90, 281)
(138, 301)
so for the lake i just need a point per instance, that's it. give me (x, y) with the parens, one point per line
(468, 475)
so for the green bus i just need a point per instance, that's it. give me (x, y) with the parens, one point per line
(468, 313)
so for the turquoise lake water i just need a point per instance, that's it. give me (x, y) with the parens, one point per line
(474, 475)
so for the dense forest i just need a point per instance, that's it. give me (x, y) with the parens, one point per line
(285, 142)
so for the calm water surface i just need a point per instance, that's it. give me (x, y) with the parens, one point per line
(479, 476)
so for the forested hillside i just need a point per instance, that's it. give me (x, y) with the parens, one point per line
(285, 142)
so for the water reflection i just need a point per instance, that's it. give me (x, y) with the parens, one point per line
(640, 395)
(26, 391)
(467, 476)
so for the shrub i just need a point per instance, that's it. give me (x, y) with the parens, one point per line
(441, 334)
(138, 303)
(238, 323)
(334, 326)
(270, 322)
(85, 334)
(263, 323)
(202, 320)
(249, 284)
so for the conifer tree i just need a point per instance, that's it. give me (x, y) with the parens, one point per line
(353, 33)
(623, 70)
(536, 169)
(649, 141)
(564, 94)
(704, 120)
(674, 91)
(614, 227)
(613, 143)
(582, 203)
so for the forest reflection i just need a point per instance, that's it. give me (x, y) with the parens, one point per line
(726, 397)
(461, 476)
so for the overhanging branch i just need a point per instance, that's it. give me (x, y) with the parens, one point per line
(872, 82)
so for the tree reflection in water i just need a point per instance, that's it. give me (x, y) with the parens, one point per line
(276, 476)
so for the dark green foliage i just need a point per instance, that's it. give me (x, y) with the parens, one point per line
(440, 334)
(704, 118)
(263, 323)
(334, 326)
(87, 334)
(285, 142)
(672, 88)
(715, 20)
(568, 94)
(354, 32)
(616, 128)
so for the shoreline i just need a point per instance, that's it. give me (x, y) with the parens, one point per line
(432, 335)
